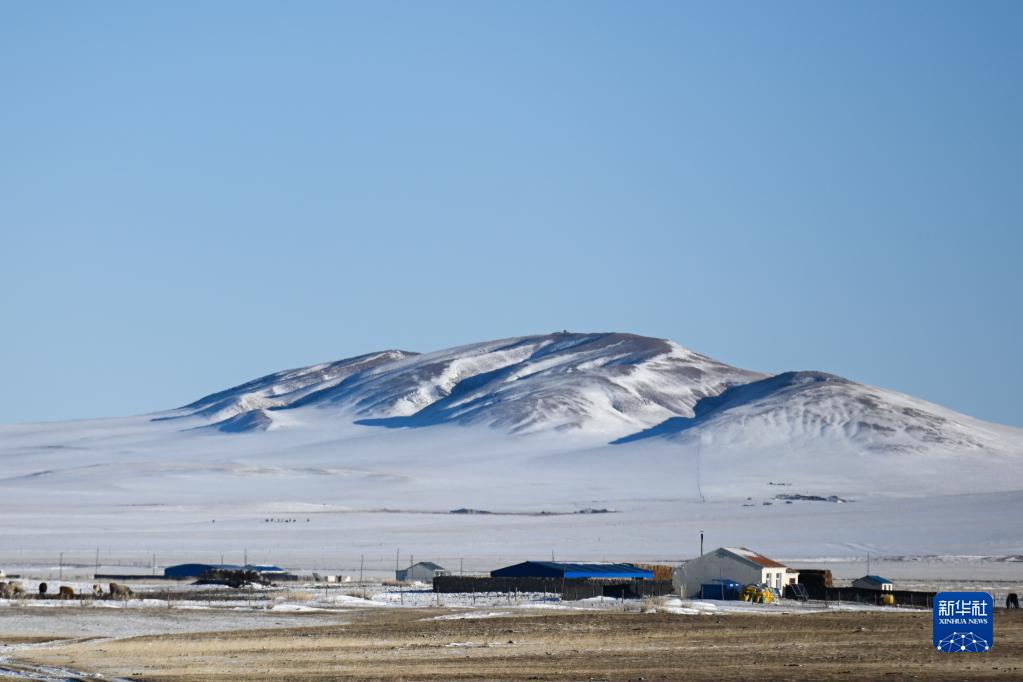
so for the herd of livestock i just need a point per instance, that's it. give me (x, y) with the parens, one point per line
(14, 590)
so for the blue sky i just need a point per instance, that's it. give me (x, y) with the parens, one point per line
(195, 194)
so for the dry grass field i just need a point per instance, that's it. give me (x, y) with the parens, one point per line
(406, 644)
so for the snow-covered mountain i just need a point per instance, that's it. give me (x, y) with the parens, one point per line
(623, 387)
(375, 451)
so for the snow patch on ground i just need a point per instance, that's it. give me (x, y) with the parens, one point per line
(471, 615)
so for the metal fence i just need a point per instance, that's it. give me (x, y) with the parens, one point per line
(570, 589)
(862, 595)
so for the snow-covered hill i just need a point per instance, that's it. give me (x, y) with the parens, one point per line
(379, 448)
(612, 386)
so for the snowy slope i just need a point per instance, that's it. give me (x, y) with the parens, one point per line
(815, 409)
(284, 388)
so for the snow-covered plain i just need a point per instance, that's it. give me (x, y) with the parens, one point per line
(330, 466)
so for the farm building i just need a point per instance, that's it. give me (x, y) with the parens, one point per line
(735, 564)
(874, 582)
(424, 571)
(557, 569)
(185, 571)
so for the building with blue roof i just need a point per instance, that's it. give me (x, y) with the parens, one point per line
(874, 582)
(185, 571)
(558, 569)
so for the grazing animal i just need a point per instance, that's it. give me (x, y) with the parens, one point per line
(118, 591)
(66, 592)
(1012, 601)
(11, 591)
(42, 589)
(97, 591)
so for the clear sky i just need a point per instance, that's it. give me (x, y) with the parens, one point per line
(193, 194)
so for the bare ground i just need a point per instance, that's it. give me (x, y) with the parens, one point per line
(400, 644)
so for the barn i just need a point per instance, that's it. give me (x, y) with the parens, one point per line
(424, 571)
(561, 570)
(737, 564)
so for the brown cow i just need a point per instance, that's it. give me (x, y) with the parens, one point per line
(65, 592)
(118, 591)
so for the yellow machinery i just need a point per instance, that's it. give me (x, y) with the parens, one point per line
(757, 594)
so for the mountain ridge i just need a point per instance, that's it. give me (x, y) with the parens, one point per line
(615, 385)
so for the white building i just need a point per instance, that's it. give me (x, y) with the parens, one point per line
(742, 565)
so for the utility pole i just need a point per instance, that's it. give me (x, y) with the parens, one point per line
(97, 561)
(154, 564)
(362, 559)
(701, 543)
(61, 569)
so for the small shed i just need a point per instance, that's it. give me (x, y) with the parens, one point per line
(721, 589)
(424, 571)
(874, 582)
(558, 569)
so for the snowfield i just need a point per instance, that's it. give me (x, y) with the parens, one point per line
(356, 461)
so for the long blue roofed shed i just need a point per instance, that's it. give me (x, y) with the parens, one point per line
(182, 571)
(558, 569)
